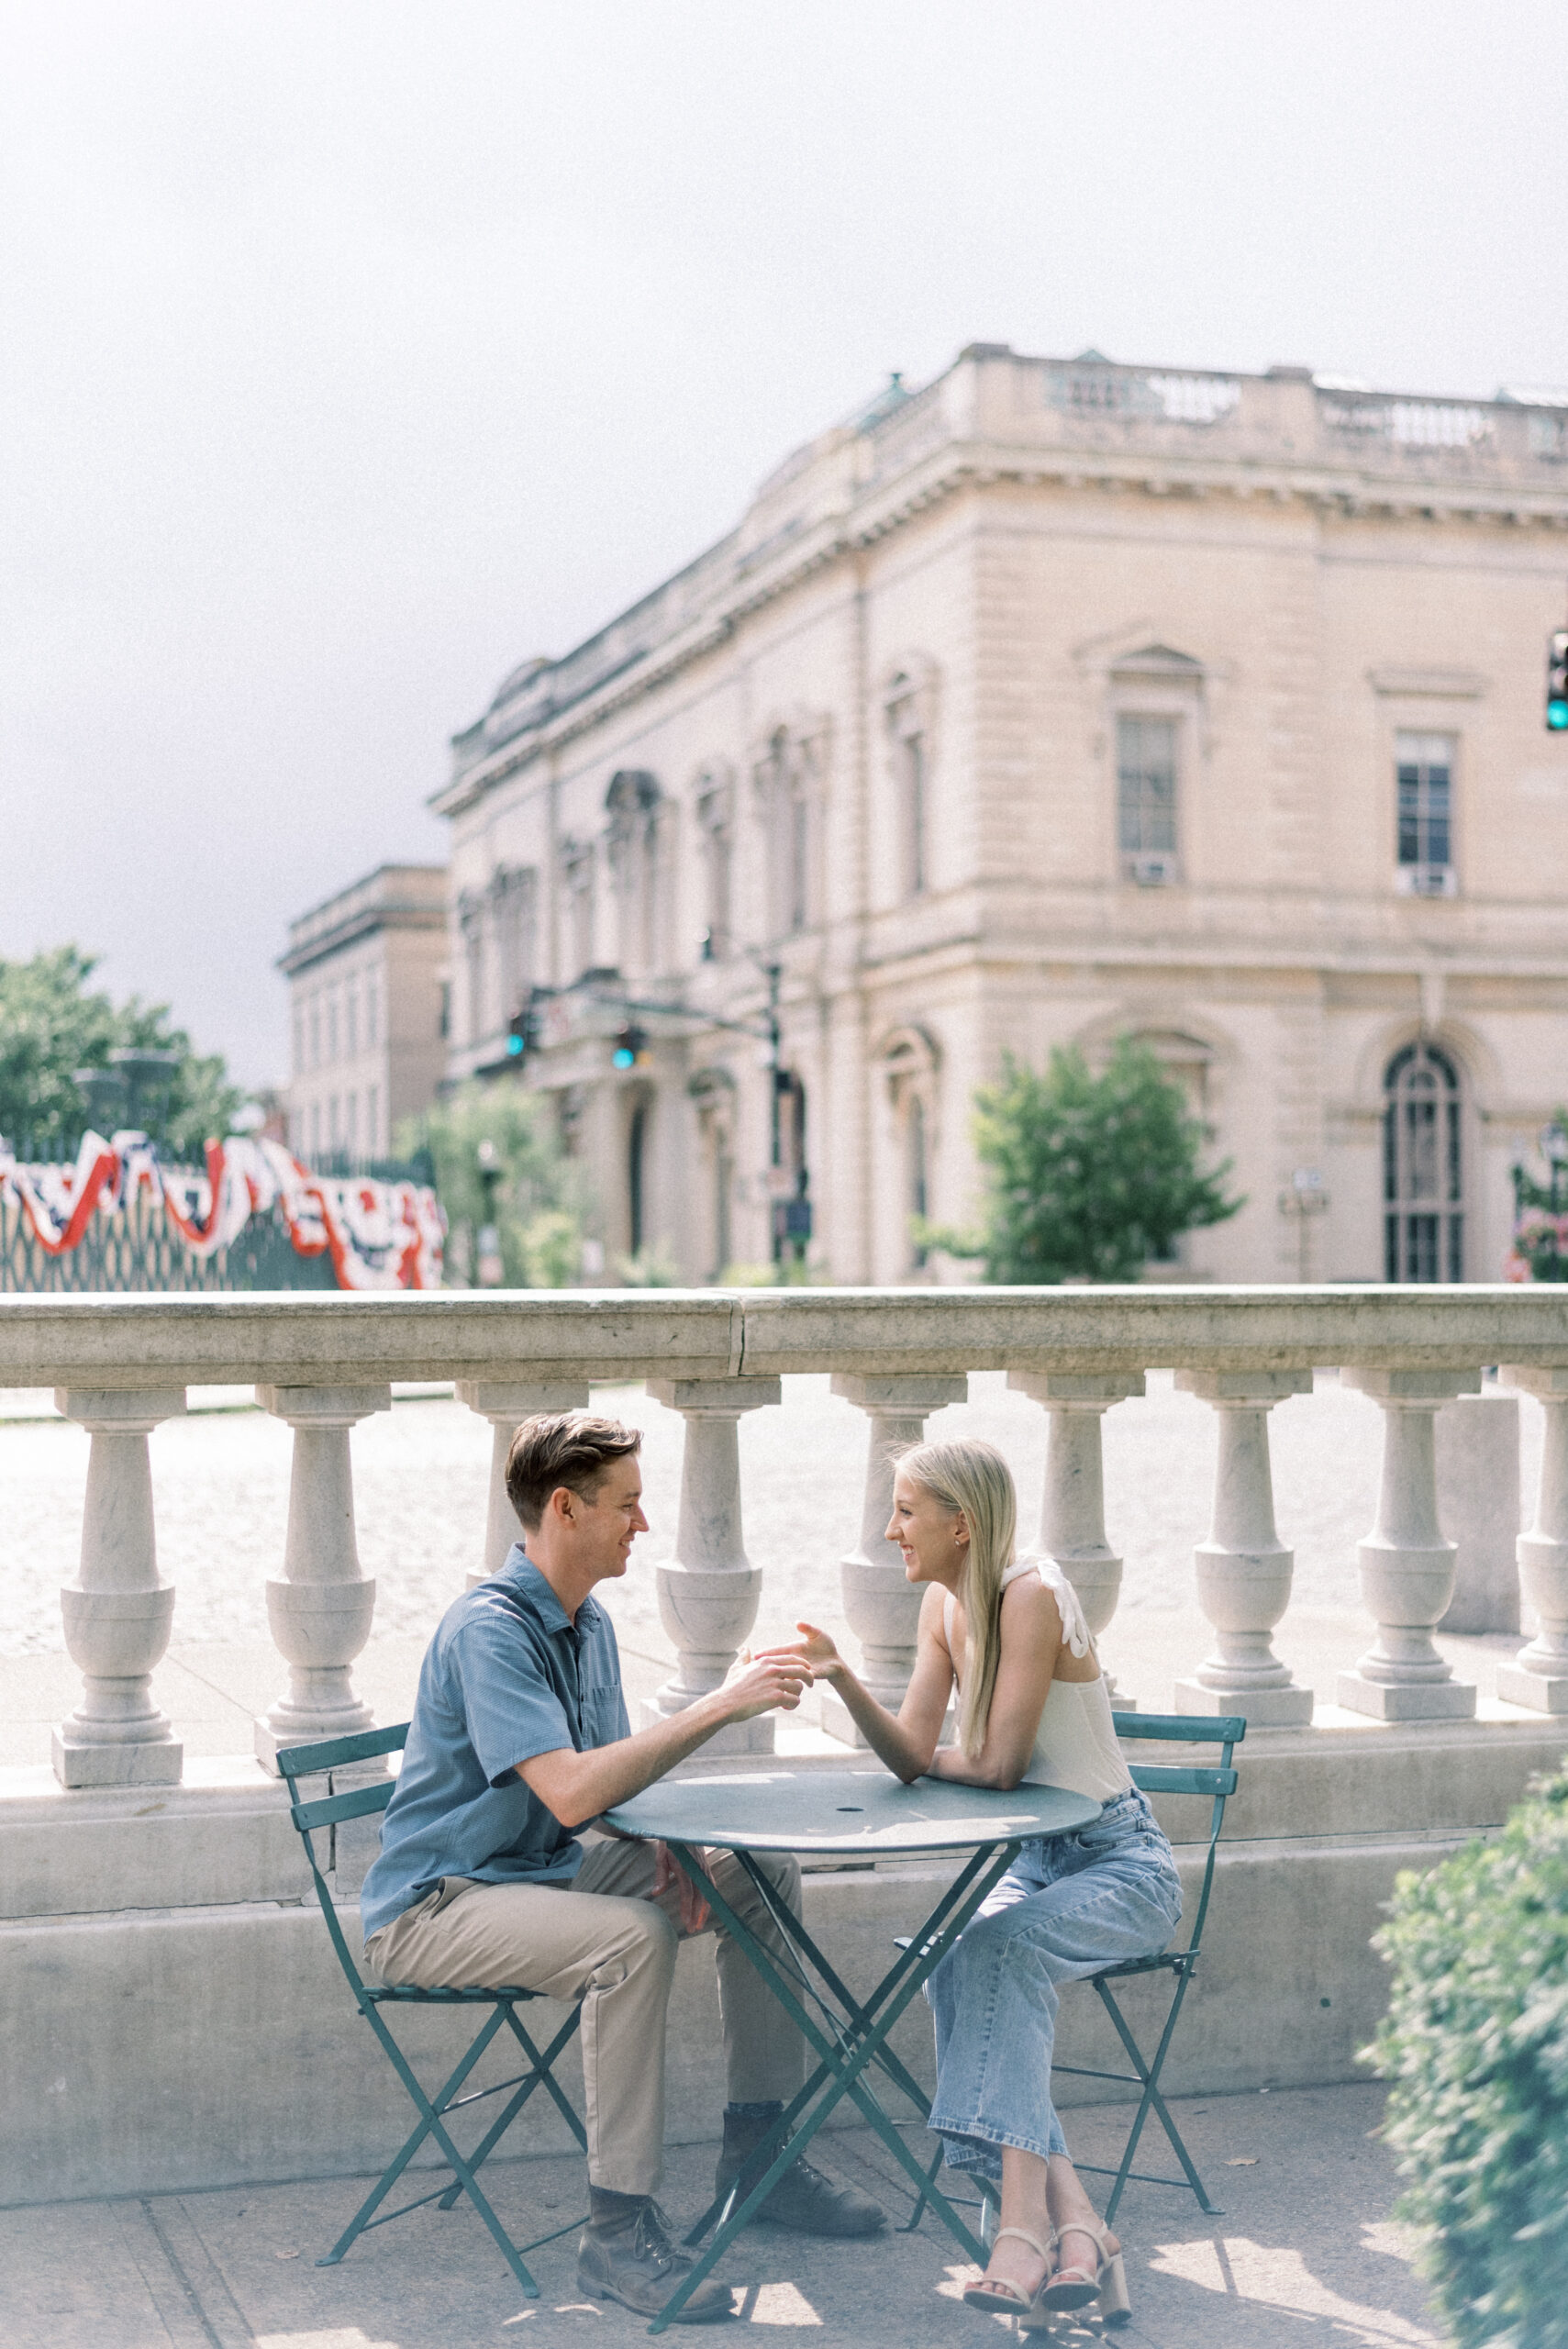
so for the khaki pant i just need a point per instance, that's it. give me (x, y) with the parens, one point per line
(603, 1939)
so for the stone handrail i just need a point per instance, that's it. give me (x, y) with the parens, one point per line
(120, 1366)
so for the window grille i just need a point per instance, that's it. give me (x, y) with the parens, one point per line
(1423, 1187)
(1424, 785)
(1146, 795)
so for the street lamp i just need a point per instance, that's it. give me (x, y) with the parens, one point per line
(1305, 1198)
(489, 1271)
(148, 1075)
(105, 1092)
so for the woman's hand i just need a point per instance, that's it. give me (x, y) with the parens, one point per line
(814, 1648)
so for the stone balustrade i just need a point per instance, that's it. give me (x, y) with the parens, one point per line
(121, 1367)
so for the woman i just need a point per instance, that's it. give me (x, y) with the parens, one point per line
(1032, 1705)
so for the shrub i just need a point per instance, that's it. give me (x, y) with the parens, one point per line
(1089, 1176)
(1476, 2044)
(538, 1206)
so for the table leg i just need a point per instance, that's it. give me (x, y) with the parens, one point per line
(860, 2017)
(840, 2069)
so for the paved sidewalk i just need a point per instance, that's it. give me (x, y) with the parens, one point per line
(1306, 2253)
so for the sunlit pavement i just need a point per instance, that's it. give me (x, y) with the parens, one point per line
(1305, 2251)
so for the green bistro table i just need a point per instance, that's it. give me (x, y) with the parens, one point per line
(843, 1814)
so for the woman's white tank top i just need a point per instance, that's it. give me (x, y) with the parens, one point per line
(1075, 1746)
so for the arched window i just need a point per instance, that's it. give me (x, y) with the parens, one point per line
(910, 1060)
(1423, 1167)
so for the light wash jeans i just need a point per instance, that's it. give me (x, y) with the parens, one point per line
(1068, 1906)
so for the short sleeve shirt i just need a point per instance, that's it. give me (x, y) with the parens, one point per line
(507, 1675)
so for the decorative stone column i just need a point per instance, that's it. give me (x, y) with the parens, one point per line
(881, 1606)
(1407, 1566)
(503, 1406)
(1243, 1569)
(320, 1611)
(1073, 1507)
(117, 1614)
(708, 1595)
(1538, 1678)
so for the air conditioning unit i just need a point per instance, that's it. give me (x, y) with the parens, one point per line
(1152, 872)
(1427, 881)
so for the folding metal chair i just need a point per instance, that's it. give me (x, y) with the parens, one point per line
(1219, 1783)
(362, 1801)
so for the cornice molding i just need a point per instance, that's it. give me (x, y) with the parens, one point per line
(942, 474)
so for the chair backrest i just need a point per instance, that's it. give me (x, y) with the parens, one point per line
(322, 1760)
(1219, 1782)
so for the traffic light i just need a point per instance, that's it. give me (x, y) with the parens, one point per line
(522, 1036)
(1557, 683)
(632, 1047)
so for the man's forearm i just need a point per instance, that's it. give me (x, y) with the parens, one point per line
(579, 1786)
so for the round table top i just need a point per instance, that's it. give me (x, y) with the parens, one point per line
(858, 1812)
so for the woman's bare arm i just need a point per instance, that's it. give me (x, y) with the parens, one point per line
(905, 1743)
(1031, 1641)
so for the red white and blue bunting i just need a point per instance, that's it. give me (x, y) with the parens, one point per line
(379, 1235)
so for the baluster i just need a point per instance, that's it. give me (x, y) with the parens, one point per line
(503, 1406)
(1538, 1678)
(1072, 1505)
(881, 1606)
(1407, 1566)
(708, 1594)
(1243, 1569)
(117, 1614)
(320, 1611)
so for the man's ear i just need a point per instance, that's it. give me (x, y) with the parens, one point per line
(563, 1505)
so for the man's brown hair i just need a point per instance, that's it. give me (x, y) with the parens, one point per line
(568, 1448)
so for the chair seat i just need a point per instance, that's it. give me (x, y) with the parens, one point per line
(411, 1993)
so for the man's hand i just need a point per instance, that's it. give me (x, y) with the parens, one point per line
(759, 1684)
(667, 1870)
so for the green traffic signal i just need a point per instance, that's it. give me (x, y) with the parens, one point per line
(1557, 682)
(1557, 715)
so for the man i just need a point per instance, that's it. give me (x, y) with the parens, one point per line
(519, 1738)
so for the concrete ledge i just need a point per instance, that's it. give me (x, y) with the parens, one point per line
(163, 2050)
(174, 2017)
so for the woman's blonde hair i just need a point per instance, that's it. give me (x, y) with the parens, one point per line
(973, 1477)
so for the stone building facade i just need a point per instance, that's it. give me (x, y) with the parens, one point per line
(1058, 700)
(367, 974)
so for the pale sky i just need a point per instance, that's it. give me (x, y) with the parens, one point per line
(351, 352)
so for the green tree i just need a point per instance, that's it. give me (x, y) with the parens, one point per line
(1476, 2045)
(539, 1208)
(52, 1025)
(1088, 1176)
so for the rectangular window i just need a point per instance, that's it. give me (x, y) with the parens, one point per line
(373, 1011)
(332, 1026)
(314, 1032)
(1146, 797)
(354, 1023)
(373, 1119)
(353, 1121)
(1424, 778)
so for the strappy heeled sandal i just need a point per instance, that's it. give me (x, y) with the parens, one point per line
(1071, 2287)
(994, 2294)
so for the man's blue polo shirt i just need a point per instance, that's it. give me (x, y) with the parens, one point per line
(507, 1675)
